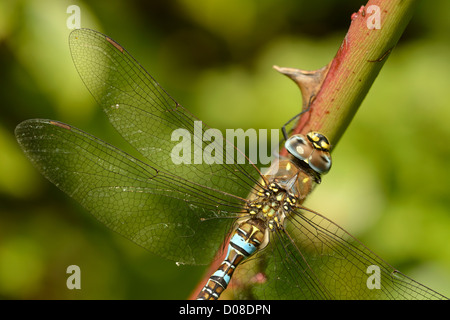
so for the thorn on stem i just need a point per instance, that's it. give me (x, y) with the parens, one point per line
(309, 82)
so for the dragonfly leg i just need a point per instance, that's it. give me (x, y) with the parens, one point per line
(308, 107)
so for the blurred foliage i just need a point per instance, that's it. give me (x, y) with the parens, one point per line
(389, 185)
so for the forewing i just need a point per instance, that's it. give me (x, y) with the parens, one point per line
(146, 116)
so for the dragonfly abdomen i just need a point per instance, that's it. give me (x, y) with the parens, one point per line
(246, 239)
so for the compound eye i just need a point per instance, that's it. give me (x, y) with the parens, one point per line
(299, 146)
(320, 161)
(319, 141)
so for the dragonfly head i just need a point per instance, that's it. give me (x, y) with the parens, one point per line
(312, 149)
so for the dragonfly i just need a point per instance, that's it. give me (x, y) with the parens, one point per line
(186, 211)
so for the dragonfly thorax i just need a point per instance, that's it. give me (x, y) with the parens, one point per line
(271, 206)
(291, 178)
(285, 186)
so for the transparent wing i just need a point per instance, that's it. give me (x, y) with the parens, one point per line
(146, 116)
(158, 210)
(316, 259)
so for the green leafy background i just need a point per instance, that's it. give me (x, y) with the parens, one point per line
(390, 181)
